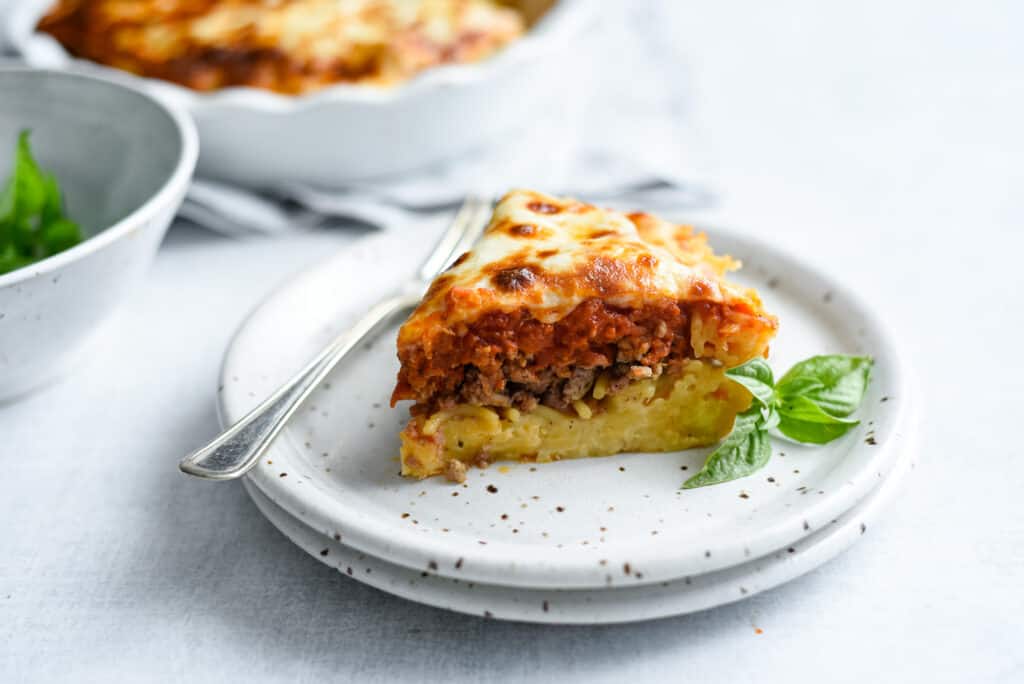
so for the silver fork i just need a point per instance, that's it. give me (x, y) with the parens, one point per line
(236, 450)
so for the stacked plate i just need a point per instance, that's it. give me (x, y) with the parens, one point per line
(599, 540)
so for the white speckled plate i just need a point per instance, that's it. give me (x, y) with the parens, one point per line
(573, 524)
(600, 606)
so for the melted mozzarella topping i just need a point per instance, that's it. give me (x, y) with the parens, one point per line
(550, 254)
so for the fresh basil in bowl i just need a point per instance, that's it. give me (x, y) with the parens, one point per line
(33, 222)
(92, 172)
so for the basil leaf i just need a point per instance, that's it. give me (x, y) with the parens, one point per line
(59, 235)
(836, 383)
(7, 202)
(29, 183)
(32, 220)
(744, 451)
(7, 214)
(10, 259)
(53, 202)
(803, 420)
(756, 376)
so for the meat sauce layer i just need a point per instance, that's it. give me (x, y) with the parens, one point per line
(509, 358)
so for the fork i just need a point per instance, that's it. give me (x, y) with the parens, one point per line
(235, 451)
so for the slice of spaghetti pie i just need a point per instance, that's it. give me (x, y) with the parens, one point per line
(573, 331)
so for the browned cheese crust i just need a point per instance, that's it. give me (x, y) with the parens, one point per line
(288, 46)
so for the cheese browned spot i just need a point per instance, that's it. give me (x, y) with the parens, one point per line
(513, 279)
(543, 207)
(523, 229)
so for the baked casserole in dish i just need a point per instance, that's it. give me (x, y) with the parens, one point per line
(350, 89)
(287, 46)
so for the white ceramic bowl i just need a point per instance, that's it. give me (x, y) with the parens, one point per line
(124, 161)
(345, 132)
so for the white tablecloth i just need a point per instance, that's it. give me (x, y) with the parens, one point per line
(883, 140)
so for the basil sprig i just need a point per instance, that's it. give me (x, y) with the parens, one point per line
(812, 403)
(33, 225)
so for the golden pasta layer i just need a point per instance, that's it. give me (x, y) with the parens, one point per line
(289, 46)
(692, 408)
(568, 315)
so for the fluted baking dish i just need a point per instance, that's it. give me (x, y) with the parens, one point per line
(349, 132)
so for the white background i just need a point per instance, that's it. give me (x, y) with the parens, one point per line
(880, 139)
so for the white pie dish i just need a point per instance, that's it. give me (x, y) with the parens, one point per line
(124, 161)
(343, 133)
(575, 524)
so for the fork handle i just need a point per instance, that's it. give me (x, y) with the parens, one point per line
(236, 450)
